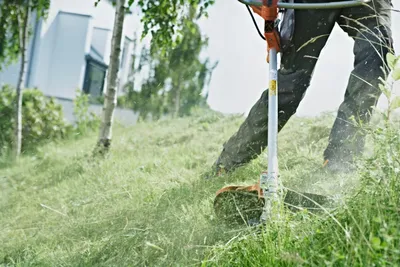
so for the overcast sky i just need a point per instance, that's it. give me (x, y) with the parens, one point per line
(242, 73)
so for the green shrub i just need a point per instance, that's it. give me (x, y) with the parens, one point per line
(86, 121)
(42, 119)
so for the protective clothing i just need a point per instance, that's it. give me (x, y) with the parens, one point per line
(369, 26)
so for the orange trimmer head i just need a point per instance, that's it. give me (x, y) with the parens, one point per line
(238, 205)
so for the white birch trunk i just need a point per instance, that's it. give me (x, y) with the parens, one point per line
(177, 102)
(110, 98)
(21, 80)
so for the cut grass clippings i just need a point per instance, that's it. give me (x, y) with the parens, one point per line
(147, 205)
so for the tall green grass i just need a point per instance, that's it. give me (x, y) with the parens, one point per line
(364, 230)
(147, 205)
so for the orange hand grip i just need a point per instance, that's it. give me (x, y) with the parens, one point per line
(270, 14)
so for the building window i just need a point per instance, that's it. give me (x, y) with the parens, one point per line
(94, 77)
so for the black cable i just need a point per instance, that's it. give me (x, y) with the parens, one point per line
(255, 23)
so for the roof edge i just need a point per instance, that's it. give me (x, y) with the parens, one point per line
(74, 14)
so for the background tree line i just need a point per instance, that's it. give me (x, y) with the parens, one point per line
(174, 85)
(175, 81)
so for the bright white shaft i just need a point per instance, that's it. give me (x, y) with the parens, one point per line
(269, 181)
(273, 122)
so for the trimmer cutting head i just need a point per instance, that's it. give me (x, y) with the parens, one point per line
(238, 205)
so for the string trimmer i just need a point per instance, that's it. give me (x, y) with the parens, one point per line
(255, 204)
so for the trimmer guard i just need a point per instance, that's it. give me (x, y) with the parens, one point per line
(237, 204)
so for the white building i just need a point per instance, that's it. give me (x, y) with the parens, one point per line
(70, 50)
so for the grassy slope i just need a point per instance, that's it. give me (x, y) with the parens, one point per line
(146, 205)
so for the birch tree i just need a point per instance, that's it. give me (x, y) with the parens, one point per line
(14, 38)
(23, 22)
(110, 98)
(163, 19)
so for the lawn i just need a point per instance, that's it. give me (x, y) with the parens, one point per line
(147, 205)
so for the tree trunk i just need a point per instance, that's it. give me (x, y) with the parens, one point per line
(177, 102)
(110, 98)
(21, 80)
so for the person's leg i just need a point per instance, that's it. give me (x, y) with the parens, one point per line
(294, 77)
(370, 29)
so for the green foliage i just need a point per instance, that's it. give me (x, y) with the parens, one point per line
(150, 98)
(163, 19)
(11, 16)
(175, 82)
(85, 120)
(387, 87)
(393, 63)
(96, 100)
(43, 118)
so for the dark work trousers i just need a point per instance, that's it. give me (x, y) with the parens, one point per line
(369, 26)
